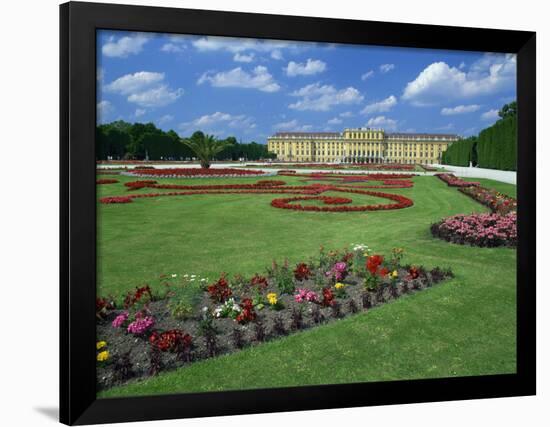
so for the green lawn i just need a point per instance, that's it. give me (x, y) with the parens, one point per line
(466, 326)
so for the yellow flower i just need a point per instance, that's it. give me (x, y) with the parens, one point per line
(272, 298)
(339, 286)
(103, 356)
(394, 274)
(100, 344)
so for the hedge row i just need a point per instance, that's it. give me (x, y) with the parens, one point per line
(460, 153)
(494, 148)
(497, 145)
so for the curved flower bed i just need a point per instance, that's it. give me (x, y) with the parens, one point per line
(453, 181)
(271, 187)
(156, 328)
(484, 230)
(115, 199)
(370, 166)
(192, 173)
(106, 181)
(497, 202)
(288, 203)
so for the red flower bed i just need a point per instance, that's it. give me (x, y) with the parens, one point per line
(115, 199)
(136, 185)
(453, 181)
(485, 230)
(497, 202)
(106, 181)
(428, 168)
(191, 172)
(402, 202)
(172, 340)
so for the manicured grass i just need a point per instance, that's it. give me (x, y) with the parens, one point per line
(466, 326)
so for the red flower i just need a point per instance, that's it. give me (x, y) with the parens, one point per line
(383, 271)
(373, 262)
(258, 281)
(328, 297)
(220, 290)
(115, 199)
(247, 313)
(302, 272)
(172, 340)
(414, 272)
(139, 295)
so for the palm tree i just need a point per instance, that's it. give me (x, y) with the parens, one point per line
(205, 147)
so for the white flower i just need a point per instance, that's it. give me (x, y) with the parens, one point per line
(174, 275)
(205, 309)
(203, 280)
(193, 275)
(186, 275)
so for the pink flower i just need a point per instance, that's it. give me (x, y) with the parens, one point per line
(141, 324)
(119, 320)
(305, 295)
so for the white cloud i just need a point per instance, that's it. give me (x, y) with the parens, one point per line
(259, 79)
(103, 109)
(367, 75)
(315, 97)
(146, 89)
(277, 55)
(462, 65)
(382, 122)
(234, 44)
(156, 97)
(238, 57)
(459, 109)
(139, 112)
(490, 115)
(386, 68)
(209, 122)
(334, 121)
(165, 119)
(291, 126)
(177, 43)
(124, 46)
(381, 106)
(172, 48)
(312, 66)
(346, 114)
(131, 83)
(100, 74)
(440, 82)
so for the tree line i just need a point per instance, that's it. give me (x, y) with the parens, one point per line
(121, 140)
(494, 148)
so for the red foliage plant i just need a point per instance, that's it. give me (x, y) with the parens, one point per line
(219, 291)
(142, 294)
(247, 313)
(172, 340)
(258, 281)
(106, 181)
(414, 272)
(302, 271)
(328, 298)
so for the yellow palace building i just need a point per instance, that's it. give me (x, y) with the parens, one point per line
(360, 145)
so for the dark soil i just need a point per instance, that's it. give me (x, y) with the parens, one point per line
(132, 357)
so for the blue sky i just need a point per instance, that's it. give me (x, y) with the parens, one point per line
(251, 88)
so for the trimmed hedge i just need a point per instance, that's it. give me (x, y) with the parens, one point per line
(494, 148)
(497, 145)
(460, 153)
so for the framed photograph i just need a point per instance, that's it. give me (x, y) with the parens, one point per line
(266, 213)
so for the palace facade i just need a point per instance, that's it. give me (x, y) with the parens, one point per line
(360, 145)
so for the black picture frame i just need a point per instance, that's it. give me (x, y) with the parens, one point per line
(78, 25)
